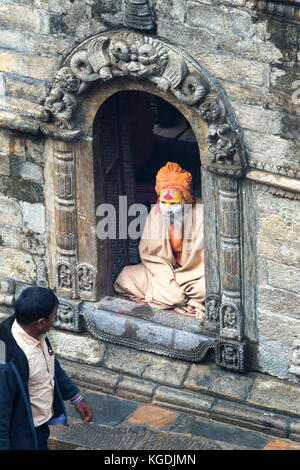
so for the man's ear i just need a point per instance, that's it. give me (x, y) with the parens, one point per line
(40, 323)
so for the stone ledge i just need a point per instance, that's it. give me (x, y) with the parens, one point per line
(281, 182)
(278, 424)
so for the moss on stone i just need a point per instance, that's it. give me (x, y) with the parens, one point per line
(21, 190)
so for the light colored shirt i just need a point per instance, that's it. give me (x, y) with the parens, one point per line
(41, 373)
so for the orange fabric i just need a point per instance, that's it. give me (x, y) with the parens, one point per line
(176, 244)
(172, 176)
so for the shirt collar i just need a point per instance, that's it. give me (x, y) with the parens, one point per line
(30, 340)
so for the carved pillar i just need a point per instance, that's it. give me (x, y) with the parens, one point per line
(65, 218)
(229, 231)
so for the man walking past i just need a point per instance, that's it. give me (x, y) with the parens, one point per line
(33, 386)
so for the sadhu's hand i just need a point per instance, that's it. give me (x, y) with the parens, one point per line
(85, 411)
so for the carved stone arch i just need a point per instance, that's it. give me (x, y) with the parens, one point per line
(95, 70)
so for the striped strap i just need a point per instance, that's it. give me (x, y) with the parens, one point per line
(76, 399)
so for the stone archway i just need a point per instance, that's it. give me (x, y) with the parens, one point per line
(95, 70)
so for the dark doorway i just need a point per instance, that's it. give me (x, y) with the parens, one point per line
(136, 133)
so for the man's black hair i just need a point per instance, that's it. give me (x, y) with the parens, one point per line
(34, 303)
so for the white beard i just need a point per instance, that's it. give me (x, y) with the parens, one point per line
(172, 216)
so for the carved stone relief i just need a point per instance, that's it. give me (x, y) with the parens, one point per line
(134, 56)
(231, 356)
(73, 280)
(139, 57)
(212, 319)
(68, 317)
(86, 281)
(230, 264)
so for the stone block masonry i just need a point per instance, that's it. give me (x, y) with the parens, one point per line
(254, 58)
(22, 212)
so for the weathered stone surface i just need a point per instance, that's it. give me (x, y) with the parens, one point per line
(135, 389)
(94, 378)
(4, 142)
(125, 360)
(198, 38)
(273, 148)
(10, 212)
(27, 170)
(286, 209)
(295, 431)
(266, 352)
(290, 126)
(281, 101)
(278, 228)
(2, 85)
(183, 400)
(176, 13)
(21, 190)
(284, 277)
(244, 95)
(220, 21)
(250, 419)
(283, 252)
(153, 416)
(287, 305)
(34, 217)
(17, 265)
(278, 329)
(258, 119)
(4, 165)
(245, 72)
(75, 347)
(35, 150)
(145, 365)
(156, 371)
(275, 395)
(34, 90)
(23, 18)
(18, 239)
(219, 383)
(21, 106)
(39, 67)
(17, 146)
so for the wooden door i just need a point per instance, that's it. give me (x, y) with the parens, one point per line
(114, 172)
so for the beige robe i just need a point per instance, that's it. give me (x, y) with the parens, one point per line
(157, 280)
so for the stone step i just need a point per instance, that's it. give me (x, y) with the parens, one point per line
(121, 424)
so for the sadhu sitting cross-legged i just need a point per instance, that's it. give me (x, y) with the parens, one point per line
(171, 272)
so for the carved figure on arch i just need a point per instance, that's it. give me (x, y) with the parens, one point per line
(62, 101)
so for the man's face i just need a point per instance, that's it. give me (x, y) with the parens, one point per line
(170, 203)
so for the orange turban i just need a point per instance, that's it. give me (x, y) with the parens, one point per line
(172, 176)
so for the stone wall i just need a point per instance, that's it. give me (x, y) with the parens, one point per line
(253, 57)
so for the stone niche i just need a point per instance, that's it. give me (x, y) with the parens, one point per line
(89, 161)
